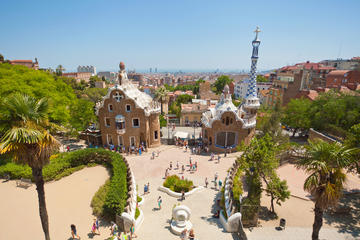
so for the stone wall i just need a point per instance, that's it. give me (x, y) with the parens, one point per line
(318, 135)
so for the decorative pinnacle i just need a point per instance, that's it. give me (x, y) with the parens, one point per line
(257, 30)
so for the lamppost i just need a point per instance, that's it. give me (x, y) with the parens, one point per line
(167, 118)
(194, 126)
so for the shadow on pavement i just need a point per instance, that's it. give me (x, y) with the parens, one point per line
(347, 221)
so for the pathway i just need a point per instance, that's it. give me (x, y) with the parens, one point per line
(68, 201)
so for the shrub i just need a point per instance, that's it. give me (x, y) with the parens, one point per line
(139, 199)
(175, 184)
(97, 202)
(137, 213)
(170, 181)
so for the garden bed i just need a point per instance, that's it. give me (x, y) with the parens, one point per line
(173, 186)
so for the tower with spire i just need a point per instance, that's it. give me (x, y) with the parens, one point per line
(251, 99)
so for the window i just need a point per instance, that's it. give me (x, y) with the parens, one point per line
(132, 141)
(117, 96)
(120, 141)
(227, 121)
(156, 135)
(128, 108)
(231, 120)
(109, 139)
(120, 122)
(110, 107)
(107, 122)
(136, 122)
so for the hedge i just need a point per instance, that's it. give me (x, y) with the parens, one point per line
(177, 185)
(64, 164)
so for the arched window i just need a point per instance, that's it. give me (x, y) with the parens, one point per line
(227, 121)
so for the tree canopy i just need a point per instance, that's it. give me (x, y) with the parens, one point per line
(61, 96)
(221, 82)
(297, 114)
(261, 78)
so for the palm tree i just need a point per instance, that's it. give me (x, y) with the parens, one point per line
(325, 163)
(24, 126)
(161, 94)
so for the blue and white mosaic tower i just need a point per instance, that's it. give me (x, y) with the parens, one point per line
(251, 98)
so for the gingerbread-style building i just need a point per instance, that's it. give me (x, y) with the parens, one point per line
(226, 126)
(127, 116)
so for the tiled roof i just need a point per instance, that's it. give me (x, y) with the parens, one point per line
(21, 61)
(338, 72)
(191, 107)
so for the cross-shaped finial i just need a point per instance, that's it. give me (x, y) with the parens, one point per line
(257, 30)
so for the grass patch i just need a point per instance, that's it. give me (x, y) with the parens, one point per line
(177, 185)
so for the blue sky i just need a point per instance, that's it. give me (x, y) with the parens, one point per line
(186, 34)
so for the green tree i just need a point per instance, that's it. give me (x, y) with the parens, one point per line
(59, 70)
(353, 141)
(325, 163)
(82, 112)
(161, 95)
(95, 94)
(296, 114)
(261, 78)
(261, 156)
(1, 58)
(221, 82)
(277, 190)
(270, 123)
(183, 98)
(92, 81)
(27, 139)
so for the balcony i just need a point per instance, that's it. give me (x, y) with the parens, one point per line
(249, 122)
(120, 131)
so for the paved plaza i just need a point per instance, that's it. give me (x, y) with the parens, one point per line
(68, 201)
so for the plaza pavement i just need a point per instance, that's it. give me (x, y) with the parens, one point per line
(156, 224)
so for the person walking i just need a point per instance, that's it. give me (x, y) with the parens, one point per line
(206, 182)
(182, 195)
(97, 225)
(93, 227)
(219, 158)
(145, 189)
(220, 184)
(183, 169)
(196, 166)
(113, 229)
(159, 202)
(183, 235)
(170, 165)
(177, 164)
(132, 231)
(190, 160)
(215, 184)
(74, 232)
(148, 187)
(153, 155)
(212, 156)
(216, 176)
(191, 235)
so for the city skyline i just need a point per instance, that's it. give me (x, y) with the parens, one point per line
(187, 36)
